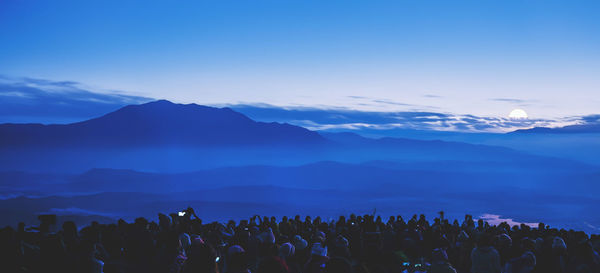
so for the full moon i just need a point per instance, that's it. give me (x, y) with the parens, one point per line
(518, 114)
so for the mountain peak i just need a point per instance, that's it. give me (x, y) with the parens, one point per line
(166, 102)
(164, 111)
(160, 123)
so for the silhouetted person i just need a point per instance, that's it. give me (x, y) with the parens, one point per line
(484, 258)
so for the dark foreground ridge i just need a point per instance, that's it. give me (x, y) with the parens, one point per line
(181, 242)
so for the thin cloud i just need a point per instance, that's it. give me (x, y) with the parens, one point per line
(512, 100)
(45, 101)
(358, 97)
(392, 102)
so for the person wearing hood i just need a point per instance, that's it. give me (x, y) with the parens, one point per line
(341, 248)
(202, 258)
(185, 241)
(287, 252)
(439, 262)
(504, 247)
(484, 257)
(318, 259)
(237, 260)
(266, 244)
(463, 246)
(299, 243)
(558, 259)
(524, 263)
(267, 237)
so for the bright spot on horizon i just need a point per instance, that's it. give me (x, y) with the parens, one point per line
(518, 114)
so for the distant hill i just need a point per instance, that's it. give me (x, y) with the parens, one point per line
(159, 123)
(323, 188)
(571, 129)
(399, 177)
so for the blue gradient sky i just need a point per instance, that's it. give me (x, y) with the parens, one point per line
(466, 57)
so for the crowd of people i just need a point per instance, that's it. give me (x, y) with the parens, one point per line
(182, 243)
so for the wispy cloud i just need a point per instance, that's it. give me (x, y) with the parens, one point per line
(357, 97)
(343, 119)
(45, 101)
(393, 102)
(383, 103)
(513, 100)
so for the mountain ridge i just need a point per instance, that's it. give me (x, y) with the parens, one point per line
(159, 123)
(569, 129)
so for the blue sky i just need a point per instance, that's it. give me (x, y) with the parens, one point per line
(481, 58)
